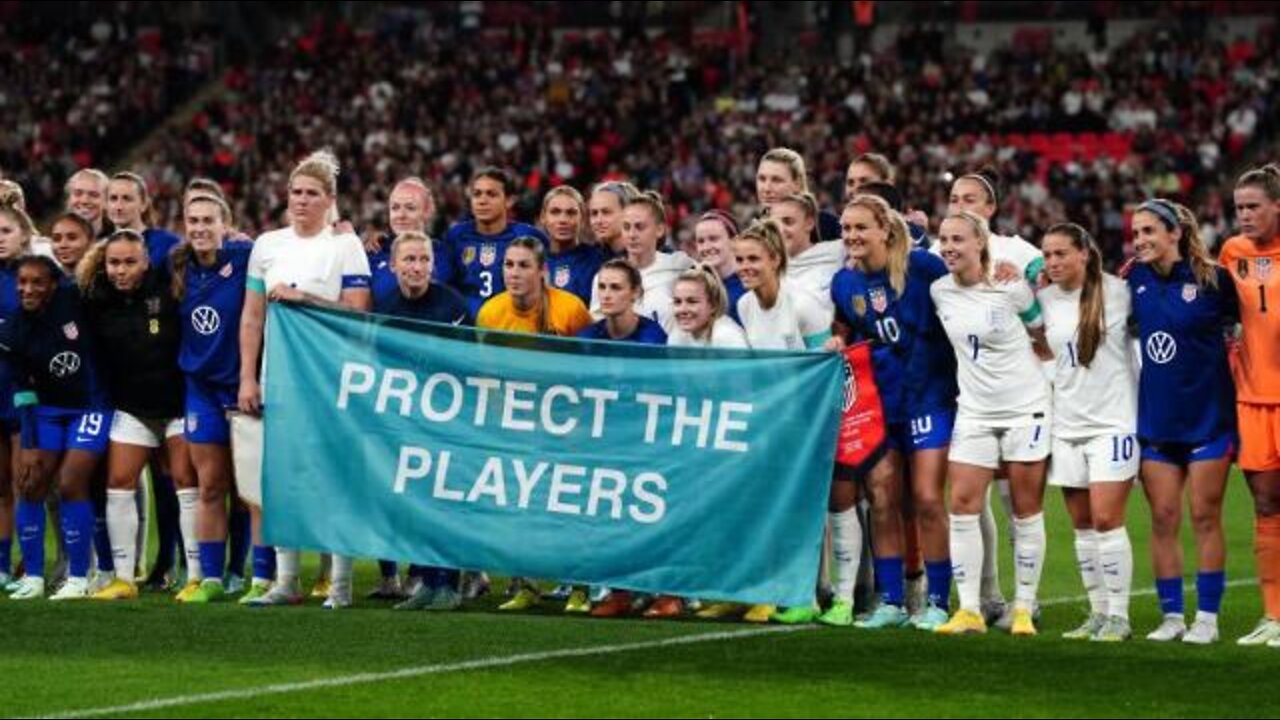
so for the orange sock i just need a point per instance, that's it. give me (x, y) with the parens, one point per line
(1267, 550)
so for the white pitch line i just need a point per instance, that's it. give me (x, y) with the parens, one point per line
(412, 672)
(480, 664)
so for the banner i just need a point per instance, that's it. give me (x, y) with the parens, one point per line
(701, 473)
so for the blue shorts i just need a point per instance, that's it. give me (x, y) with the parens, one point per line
(930, 431)
(206, 416)
(61, 429)
(1183, 454)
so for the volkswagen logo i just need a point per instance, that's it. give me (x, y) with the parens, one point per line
(64, 364)
(205, 320)
(1161, 348)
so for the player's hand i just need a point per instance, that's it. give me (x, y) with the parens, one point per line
(916, 217)
(835, 343)
(287, 293)
(1126, 267)
(1007, 272)
(250, 398)
(344, 227)
(373, 243)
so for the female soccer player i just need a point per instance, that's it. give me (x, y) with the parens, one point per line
(303, 261)
(479, 245)
(209, 279)
(69, 239)
(712, 235)
(129, 208)
(65, 420)
(1252, 258)
(1183, 303)
(86, 196)
(865, 169)
(1003, 416)
(410, 208)
(16, 231)
(571, 263)
(644, 226)
(884, 299)
(605, 204)
(620, 289)
(1095, 420)
(811, 265)
(782, 172)
(700, 304)
(132, 314)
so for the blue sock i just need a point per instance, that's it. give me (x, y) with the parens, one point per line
(102, 543)
(167, 534)
(1169, 591)
(77, 534)
(239, 539)
(30, 519)
(387, 568)
(1209, 589)
(889, 578)
(213, 557)
(6, 554)
(938, 580)
(264, 562)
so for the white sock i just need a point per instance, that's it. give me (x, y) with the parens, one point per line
(342, 570)
(122, 529)
(188, 501)
(966, 559)
(144, 524)
(288, 565)
(846, 547)
(990, 588)
(1029, 549)
(1091, 570)
(1116, 559)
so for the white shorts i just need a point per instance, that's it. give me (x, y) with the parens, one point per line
(129, 430)
(246, 456)
(987, 446)
(1104, 458)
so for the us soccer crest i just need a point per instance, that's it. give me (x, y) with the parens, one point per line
(488, 253)
(859, 305)
(1262, 268)
(226, 270)
(561, 278)
(468, 255)
(850, 386)
(879, 300)
(1189, 292)
(71, 331)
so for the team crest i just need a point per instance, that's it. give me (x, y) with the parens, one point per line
(488, 253)
(879, 300)
(1262, 268)
(193, 422)
(153, 306)
(1242, 268)
(561, 278)
(71, 331)
(850, 386)
(226, 270)
(1189, 292)
(468, 255)
(859, 305)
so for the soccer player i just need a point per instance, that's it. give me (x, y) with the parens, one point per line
(65, 419)
(1183, 304)
(884, 299)
(1012, 258)
(778, 315)
(865, 169)
(1252, 258)
(1003, 416)
(700, 305)
(811, 265)
(1095, 420)
(132, 314)
(711, 237)
(86, 196)
(70, 236)
(644, 226)
(571, 263)
(782, 172)
(304, 261)
(209, 275)
(16, 231)
(129, 208)
(620, 289)
(410, 208)
(605, 205)
(478, 245)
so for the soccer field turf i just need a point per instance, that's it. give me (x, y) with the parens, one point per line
(154, 658)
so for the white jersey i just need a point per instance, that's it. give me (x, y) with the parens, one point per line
(658, 281)
(1010, 249)
(1102, 398)
(1001, 383)
(322, 265)
(796, 321)
(815, 268)
(725, 333)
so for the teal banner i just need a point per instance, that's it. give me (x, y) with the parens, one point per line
(691, 472)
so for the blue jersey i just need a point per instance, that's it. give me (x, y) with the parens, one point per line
(209, 350)
(477, 259)
(575, 269)
(647, 332)
(384, 281)
(440, 303)
(913, 360)
(160, 243)
(54, 357)
(8, 317)
(733, 285)
(1185, 392)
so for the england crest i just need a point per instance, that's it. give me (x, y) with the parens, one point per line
(488, 253)
(71, 331)
(1262, 268)
(561, 278)
(1189, 292)
(879, 300)
(153, 306)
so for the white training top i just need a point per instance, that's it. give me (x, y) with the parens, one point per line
(1100, 399)
(321, 265)
(797, 320)
(725, 333)
(658, 280)
(815, 268)
(1000, 379)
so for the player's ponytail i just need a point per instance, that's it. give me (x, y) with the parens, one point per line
(1092, 326)
(898, 238)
